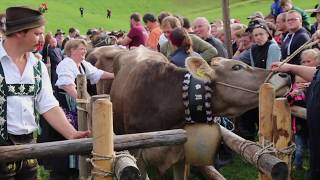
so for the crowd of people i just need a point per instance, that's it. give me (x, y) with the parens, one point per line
(263, 42)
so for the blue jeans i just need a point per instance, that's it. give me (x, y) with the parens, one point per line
(301, 142)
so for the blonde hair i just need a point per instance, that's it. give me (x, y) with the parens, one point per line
(73, 44)
(313, 53)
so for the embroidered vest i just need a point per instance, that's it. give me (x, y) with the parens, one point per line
(16, 90)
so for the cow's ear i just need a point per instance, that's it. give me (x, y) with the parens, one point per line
(200, 69)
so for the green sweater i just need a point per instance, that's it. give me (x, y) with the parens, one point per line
(200, 46)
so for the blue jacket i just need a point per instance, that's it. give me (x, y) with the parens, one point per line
(179, 56)
(276, 8)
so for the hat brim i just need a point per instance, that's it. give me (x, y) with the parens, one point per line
(18, 29)
(314, 13)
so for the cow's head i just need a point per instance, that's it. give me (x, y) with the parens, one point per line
(235, 84)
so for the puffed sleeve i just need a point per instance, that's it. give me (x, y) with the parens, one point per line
(92, 73)
(67, 73)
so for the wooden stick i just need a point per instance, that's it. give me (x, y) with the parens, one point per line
(209, 172)
(270, 165)
(266, 99)
(84, 146)
(103, 140)
(282, 137)
(82, 94)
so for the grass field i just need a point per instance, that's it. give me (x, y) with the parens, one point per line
(65, 13)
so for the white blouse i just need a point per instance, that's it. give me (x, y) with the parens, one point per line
(67, 72)
(20, 109)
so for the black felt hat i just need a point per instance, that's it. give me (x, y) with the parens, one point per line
(21, 18)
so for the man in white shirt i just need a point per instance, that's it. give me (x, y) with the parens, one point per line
(25, 88)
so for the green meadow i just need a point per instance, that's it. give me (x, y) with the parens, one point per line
(63, 14)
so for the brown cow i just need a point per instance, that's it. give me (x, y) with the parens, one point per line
(147, 96)
(111, 58)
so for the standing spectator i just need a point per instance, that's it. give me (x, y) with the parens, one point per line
(287, 5)
(265, 51)
(64, 167)
(108, 13)
(200, 46)
(20, 68)
(262, 54)
(81, 11)
(137, 35)
(187, 25)
(56, 56)
(202, 28)
(276, 8)
(270, 18)
(296, 37)
(296, 97)
(182, 46)
(316, 14)
(72, 34)
(281, 27)
(243, 51)
(45, 48)
(154, 29)
(162, 38)
(59, 35)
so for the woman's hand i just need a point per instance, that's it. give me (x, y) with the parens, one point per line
(107, 75)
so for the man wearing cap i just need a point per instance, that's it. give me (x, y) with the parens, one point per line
(25, 89)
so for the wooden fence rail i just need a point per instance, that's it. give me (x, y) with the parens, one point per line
(84, 146)
(270, 165)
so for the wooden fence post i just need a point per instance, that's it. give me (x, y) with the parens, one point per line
(282, 135)
(90, 107)
(103, 135)
(266, 99)
(82, 99)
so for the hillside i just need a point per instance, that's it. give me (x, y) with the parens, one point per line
(65, 13)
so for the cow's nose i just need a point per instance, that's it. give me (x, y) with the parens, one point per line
(283, 75)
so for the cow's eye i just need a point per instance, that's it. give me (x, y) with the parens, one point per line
(237, 67)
